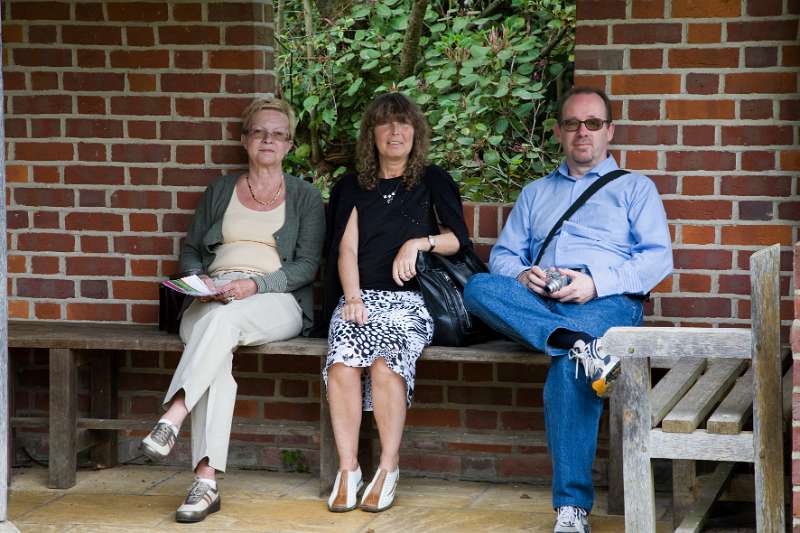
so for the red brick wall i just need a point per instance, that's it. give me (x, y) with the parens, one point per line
(111, 107)
(117, 116)
(705, 92)
(705, 100)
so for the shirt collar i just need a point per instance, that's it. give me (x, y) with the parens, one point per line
(602, 168)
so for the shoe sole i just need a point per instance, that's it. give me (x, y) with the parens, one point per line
(370, 509)
(152, 453)
(604, 385)
(348, 509)
(198, 516)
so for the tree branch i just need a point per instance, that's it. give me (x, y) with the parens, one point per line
(408, 58)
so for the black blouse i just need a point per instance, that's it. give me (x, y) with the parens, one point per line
(388, 216)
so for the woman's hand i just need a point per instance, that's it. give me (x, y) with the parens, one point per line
(238, 289)
(353, 310)
(210, 284)
(404, 266)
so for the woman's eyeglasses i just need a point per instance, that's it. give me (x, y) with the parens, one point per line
(263, 135)
(592, 124)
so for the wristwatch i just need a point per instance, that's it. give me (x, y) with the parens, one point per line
(432, 242)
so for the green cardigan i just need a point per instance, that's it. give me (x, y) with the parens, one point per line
(299, 240)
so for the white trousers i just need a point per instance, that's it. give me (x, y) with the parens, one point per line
(211, 332)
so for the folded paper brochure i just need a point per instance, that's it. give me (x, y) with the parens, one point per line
(191, 285)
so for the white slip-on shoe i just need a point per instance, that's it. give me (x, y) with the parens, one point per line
(379, 494)
(344, 495)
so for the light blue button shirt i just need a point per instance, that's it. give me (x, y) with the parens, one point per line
(619, 235)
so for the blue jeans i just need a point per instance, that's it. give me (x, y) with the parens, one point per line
(572, 410)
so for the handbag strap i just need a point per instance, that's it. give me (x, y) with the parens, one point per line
(593, 188)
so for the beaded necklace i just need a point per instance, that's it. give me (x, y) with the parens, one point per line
(253, 196)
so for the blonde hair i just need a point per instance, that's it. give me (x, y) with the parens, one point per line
(269, 102)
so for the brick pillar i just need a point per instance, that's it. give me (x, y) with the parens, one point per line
(118, 115)
(705, 101)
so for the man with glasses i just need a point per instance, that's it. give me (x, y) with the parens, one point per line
(593, 274)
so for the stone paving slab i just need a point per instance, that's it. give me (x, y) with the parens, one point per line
(139, 499)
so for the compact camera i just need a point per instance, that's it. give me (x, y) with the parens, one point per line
(555, 281)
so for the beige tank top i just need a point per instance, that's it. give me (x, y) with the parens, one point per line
(248, 244)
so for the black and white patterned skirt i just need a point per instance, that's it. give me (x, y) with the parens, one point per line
(398, 328)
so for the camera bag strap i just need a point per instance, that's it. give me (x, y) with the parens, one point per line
(593, 188)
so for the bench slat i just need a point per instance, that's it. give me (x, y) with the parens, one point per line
(671, 388)
(701, 446)
(690, 412)
(136, 337)
(735, 409)
(126, 424)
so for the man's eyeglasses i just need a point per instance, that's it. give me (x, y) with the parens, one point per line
(592, 124)
(263, 135)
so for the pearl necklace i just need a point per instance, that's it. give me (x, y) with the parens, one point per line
(253, 196)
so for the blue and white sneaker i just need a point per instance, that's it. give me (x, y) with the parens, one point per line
(572, 519)
(601, 368)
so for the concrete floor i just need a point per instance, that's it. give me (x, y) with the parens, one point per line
(136, 499)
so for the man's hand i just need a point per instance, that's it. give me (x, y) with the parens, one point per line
(534, 280)
(580, 290)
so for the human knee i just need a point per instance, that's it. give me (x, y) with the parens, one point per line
(380, 372)
(479, 288)
(341, 374)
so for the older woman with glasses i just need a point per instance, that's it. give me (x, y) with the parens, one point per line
(256, 240)
(396, 206)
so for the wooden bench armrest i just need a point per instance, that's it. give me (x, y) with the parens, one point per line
(678, 342)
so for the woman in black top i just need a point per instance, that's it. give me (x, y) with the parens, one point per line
(380, 218)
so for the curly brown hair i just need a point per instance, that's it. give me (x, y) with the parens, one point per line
(387, 108)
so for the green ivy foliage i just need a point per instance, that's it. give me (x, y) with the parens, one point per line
(488, 86)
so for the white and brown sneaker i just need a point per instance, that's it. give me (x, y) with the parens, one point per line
(202, 500)
(344, 496)
(159, 442)
(379, 494)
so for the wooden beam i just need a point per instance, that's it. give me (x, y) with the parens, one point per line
(709, 487)
(640, 510)
(671, 388)
(701, 446)
(735, 409)
(678, 342)
(712, 386)
(767, 425)
(63, 419)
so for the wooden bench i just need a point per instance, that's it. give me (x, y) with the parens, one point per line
(720, 378)
(72, 344)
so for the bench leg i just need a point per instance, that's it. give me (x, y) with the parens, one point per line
(616, 493)
(640, 505)
(104, 405)
(63, 419)
(684, 479)
(328, 458)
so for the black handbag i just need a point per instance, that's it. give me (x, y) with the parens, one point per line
(441, 280)
(170, 308)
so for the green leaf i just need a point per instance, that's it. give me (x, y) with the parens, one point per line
(501, 125)
(442, 84)
(302, 151)
(369, 65)
(355, 86)
(522, 94)
(459, 24)
(466, 141)
(505, 54)
(437, 28)
(495, 139)
(361, 11)
(383, 11)
(310, 102)
(502, 87)
(368, 53)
